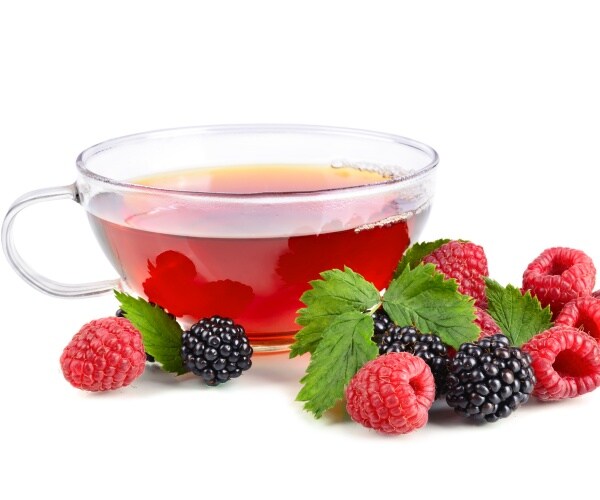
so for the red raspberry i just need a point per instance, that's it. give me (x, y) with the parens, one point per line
(105, 354)
(487, 324)
(566, 362)
(558, 276)
(467, 263)
(392, 393)
(582, 313)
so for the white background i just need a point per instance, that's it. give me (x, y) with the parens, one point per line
(507, 92)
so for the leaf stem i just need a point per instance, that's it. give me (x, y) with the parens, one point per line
(373, 308)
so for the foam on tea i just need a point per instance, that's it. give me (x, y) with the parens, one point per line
(247, 260)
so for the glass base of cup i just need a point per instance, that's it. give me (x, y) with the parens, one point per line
(272, 342)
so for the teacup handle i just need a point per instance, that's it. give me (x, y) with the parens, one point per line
(36, 280)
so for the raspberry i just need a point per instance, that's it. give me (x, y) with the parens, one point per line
(428, 347)
(467, 263)
(566, 362)
(105, 354)
(487, 324)
(582, 313)
(216, 349)
(391, 394)
(489, 379)
(559, 275)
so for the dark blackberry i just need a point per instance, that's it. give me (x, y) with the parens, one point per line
(489, 379)
(216, 349)
(381, 323)
(121, 314)
(427, 346)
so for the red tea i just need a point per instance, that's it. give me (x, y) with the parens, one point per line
(234, 261)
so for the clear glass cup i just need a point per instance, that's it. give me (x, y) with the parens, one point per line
(248, 255)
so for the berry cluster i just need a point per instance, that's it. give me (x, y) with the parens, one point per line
(109, 353)
(487, 379)
(565, 358)
(428, 347)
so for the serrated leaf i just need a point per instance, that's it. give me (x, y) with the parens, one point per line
(161, 334)
(520, 317)
(340, 291)
(422, 297)
(308, 337)
(344, 348)
(335, 293)
(415, 254)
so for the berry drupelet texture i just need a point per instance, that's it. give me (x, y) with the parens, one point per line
(391, 394)
(381, 324)
(467, 263)
(486, 323)
(121, 314)
(105, 354)
(489, 379)
(428, 347)
(582, 313)
(216, 349)
(566, 361)
(559, 275)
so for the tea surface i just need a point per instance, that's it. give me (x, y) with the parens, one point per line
(244, 179)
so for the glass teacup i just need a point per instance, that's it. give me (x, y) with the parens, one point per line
(237, 220)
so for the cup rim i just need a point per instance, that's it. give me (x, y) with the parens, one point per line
(363, 189)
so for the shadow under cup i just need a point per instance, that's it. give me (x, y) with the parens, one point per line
(251, 256)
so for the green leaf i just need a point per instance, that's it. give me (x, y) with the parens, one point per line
(161, 334)
(339, 291)
(345, 347)
(307, 339)
(519, 316)
(336, 293)
(416, 253)
(422, 297)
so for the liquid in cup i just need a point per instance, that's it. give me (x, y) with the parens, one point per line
(197, 264)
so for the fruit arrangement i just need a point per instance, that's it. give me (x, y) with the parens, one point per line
(442, 329)
(112, 352)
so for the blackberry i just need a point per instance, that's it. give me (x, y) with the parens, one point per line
(121, 314)
(381, 322)
(489, 379)
(216, 349)
(427, 346)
